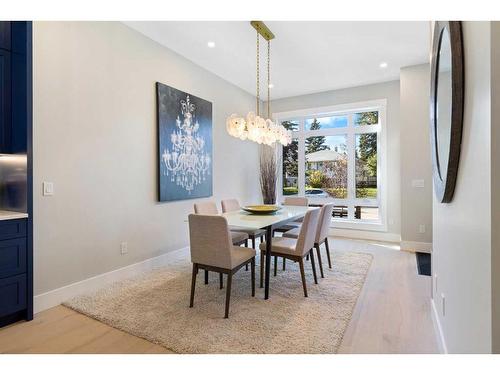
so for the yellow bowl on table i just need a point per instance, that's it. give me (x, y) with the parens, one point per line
(261, 209)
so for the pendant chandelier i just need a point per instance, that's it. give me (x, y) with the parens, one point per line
(254, 127)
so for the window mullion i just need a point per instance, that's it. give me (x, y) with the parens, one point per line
(302, 159)
(351, 168)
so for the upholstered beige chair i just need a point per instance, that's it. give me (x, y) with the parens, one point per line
(296, 201)
(297, 249)
(210, 208)
(325, 218)
(293, 201)
(212, 250)
(289, 201)
(230, 205)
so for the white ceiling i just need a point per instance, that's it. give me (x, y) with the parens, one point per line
(306, 57)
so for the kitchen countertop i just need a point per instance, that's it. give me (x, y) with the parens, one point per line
(9, 215)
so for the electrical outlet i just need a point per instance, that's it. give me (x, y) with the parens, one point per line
(123, 248)
(48, 188)
(421, 228)
(443, 304)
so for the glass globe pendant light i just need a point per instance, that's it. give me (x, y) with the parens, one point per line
(254, 127)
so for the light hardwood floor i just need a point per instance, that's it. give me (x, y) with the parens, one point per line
(392, 315)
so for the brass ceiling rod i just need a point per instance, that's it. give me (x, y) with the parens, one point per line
(262, 29)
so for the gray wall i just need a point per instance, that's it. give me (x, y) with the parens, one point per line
(386, 90)
(461, 257)
(495, 182)
(416, 203)
(95, 138)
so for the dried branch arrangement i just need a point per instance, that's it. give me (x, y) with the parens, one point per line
(268, 174)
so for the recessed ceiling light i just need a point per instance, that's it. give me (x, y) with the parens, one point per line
(271, 85)
(211, 44)
(383, 65)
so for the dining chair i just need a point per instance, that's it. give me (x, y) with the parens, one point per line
(293, 201)
(212, 250)
(290, 201)
(297, 249)
(210, 208)
(238, 238)
(324, 221)
(296, 201)
(231, 205)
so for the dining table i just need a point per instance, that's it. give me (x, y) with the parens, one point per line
(269, 222)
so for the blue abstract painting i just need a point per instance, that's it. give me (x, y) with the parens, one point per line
(184, 145)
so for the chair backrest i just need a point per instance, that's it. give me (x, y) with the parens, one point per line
(210, 240)
(325, 218)
(307, 234)
(229, 205)
(206, 208)
(296, 201)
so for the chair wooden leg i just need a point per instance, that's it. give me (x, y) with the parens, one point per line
(252, 267)
(313, 264)
(253, 242)
(228, 294)
(320, 261)
(328, 253)
(206, 277)
(284, 264)
(307, 256)
(303, 276)
(221, 282)
(261, 285)
(193, 284)
(246, 265)
(275, 265)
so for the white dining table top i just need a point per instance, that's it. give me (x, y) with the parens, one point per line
(243, 219)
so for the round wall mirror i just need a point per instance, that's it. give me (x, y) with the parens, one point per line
(447, 92)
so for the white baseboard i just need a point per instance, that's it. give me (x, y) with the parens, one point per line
(365, 235)
(413, 246)
(438, 329)
(55, 297)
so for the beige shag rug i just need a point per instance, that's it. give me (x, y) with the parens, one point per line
(155, 307)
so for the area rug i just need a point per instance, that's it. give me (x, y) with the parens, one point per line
(155, 307)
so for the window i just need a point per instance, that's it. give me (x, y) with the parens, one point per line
(336, 156)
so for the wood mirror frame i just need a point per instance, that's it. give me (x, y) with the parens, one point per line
(444, 182)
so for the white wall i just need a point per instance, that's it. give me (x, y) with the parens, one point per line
(386, 90)
(95, 138)
(416, 164)
(461, 257)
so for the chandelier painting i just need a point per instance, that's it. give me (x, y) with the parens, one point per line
(185, 123)
(254, 127)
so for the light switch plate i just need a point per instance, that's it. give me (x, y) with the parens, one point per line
(48, 188)
(417, 183)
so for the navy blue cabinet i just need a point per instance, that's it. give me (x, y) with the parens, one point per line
(5, 99)
(16, 235)
(5, 35)
(13, 296)
(14, 278)
(13, 87)
(12, 257)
